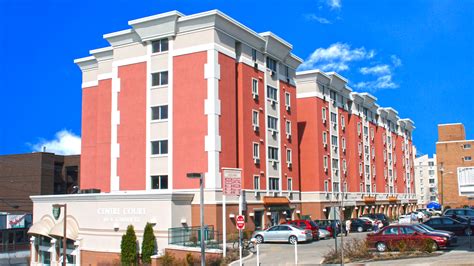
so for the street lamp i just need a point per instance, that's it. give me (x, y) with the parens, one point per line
(64, 230)
(442, 184)
(201, 199)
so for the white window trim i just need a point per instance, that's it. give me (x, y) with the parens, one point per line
(287, 99)
(271, 129)
(259, 182)
(278, 151)
(288, 127)
(158, 120)
(253, 81)
(258, 118)
(159, 86)
(289, 160)
(288, 182)
(160, 52)
(258, 150)
(158, 155)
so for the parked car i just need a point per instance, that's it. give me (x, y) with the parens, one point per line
(434, 212)
(283, 233)
(466, 212)
(378, 216)
(307, 224)
(464, 220)
(360, 225)
(449, 224)
(372, 221)
(430, 229)
(425, 212)
(390, 236)
(324, 234)
(330, 225)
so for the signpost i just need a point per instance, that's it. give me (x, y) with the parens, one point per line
(240, 224)
(231, 187)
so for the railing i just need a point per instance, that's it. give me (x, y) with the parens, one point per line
(191, 237)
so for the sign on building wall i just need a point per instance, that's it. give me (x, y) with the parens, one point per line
(232, 181)
(466, 181)
(16, 221)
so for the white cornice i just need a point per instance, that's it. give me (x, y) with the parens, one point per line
(116, 196)
(276, 37)
(86, 63)
(155, 17)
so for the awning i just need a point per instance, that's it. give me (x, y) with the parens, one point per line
(269, 201)
(72, 230)
(42, 227)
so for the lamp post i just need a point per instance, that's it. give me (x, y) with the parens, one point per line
(201, 199)
(64, 230)
(442, 184)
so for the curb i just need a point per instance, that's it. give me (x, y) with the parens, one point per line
(236, 262)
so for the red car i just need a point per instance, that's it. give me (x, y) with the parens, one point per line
(389, 237)
(307, 224)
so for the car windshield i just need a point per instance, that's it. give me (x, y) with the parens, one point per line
(426, 227)
(421, 228)
(461, 219)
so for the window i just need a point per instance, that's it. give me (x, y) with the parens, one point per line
(375, 189)
(274, 183)
(343, 122)
(366, 130)
(159, 78)
(431, 172)
(361, 187)
(323, 114)
(288, 127)
(290, 184)
(326, 186)
(467, 158)
(430, 163)
(343, 143)
(287, 99)
(256, 182)
(272, 93)
(360, 168)
(334, 140)
(360, 147)
(372, 132)
(325, 137)
(159, 147)
(254, 86)
(333, 117)
(255, 118)
(432, 181)
(256, 150)
(358, 128)
(273, 153)
(159, 46)
(159, 182)
(367, 187)
(335, 163)
(432, 189)
(159, 112)
(271, 64)
(344, 164)
(467, 146)
(254, 55)
(335, 186)
(288, 155)
(344, 188)
(325, 162)
(272, 123)
(407, 230)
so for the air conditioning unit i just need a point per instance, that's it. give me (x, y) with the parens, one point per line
(255, 96)
(327, 195)
(360, 174)
(256, 160)
(343, 149)
(325, 169)
(287, 107)
(272, 73)
(324, 120)
(275, 194)
(273, 132)
(255, 65)
(290, 194)
(288, 164)
(358, 133)
(344, 171)
(288, 136)
(274, 163)
(255, 128)
(334, 148)
(343, 127)
(256, 193)
(325, 145)
(273, 102)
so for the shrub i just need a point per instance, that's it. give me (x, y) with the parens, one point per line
(354, 250)
(167, 259)
(148, 244)
(214, 261)
(189, 259)
(128, 247)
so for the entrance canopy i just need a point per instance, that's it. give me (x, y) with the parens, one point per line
(272, 201)
(72, 230)
(42, 227)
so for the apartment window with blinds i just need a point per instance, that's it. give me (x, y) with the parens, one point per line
(274, 183)
(254, 55)
(323, 114)
(159, 46)
(334, 141)
(159, 182)
(271, 64)
(333, 117)
(159, 147)
(273, 123)
(288, 155)
(325, 161)
(254, 118)
(343, 122)
(326, 186)
(272, 93)
(335, 186)
(344, 164)
(256, 150)
(256, 182)
(159, 78)
(273, 153)
(159, 112)
(287, 99)
(325, 137)
(343, 143)
(254, 86)
(290, 184)
(288, 127)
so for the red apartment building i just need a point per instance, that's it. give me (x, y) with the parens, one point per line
(350, 144)
(175, 94)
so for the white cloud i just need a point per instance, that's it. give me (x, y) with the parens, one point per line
(318, 19)
(337, 55)
(396, 61)
(64, 143)
(335, 4)
(382, 82)
(376, 70)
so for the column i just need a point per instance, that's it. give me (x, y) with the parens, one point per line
(52, 250)
(33, 251)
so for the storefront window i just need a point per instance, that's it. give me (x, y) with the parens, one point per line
(258, 220)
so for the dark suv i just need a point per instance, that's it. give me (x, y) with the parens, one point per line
(378, 216)
(307, 224)
(465, 212)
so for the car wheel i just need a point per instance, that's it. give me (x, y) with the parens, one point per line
(259, 239)
(381, 247)
(293, 240)
(360, 229)
(434, 246)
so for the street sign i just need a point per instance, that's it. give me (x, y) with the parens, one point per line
(232, 181)
(240, 222)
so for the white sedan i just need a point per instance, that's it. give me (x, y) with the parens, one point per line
(283, 233)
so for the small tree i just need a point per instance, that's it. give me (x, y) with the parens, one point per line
(128, 255)
(148, 244)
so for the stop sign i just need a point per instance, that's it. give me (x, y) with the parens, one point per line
(240, 222)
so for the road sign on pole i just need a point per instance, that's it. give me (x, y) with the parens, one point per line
(232, 181)
(240, 222)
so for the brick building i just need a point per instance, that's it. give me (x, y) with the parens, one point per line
(38, 173)
(454, 155)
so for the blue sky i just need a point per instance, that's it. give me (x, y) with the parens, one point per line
(414, 56)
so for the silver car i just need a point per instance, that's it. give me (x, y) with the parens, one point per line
(324, 234)
(283, 233)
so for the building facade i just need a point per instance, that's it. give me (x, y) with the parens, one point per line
(178, 94)
(426, 179)
(38, 173)
(349, 144)
(454, 156)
